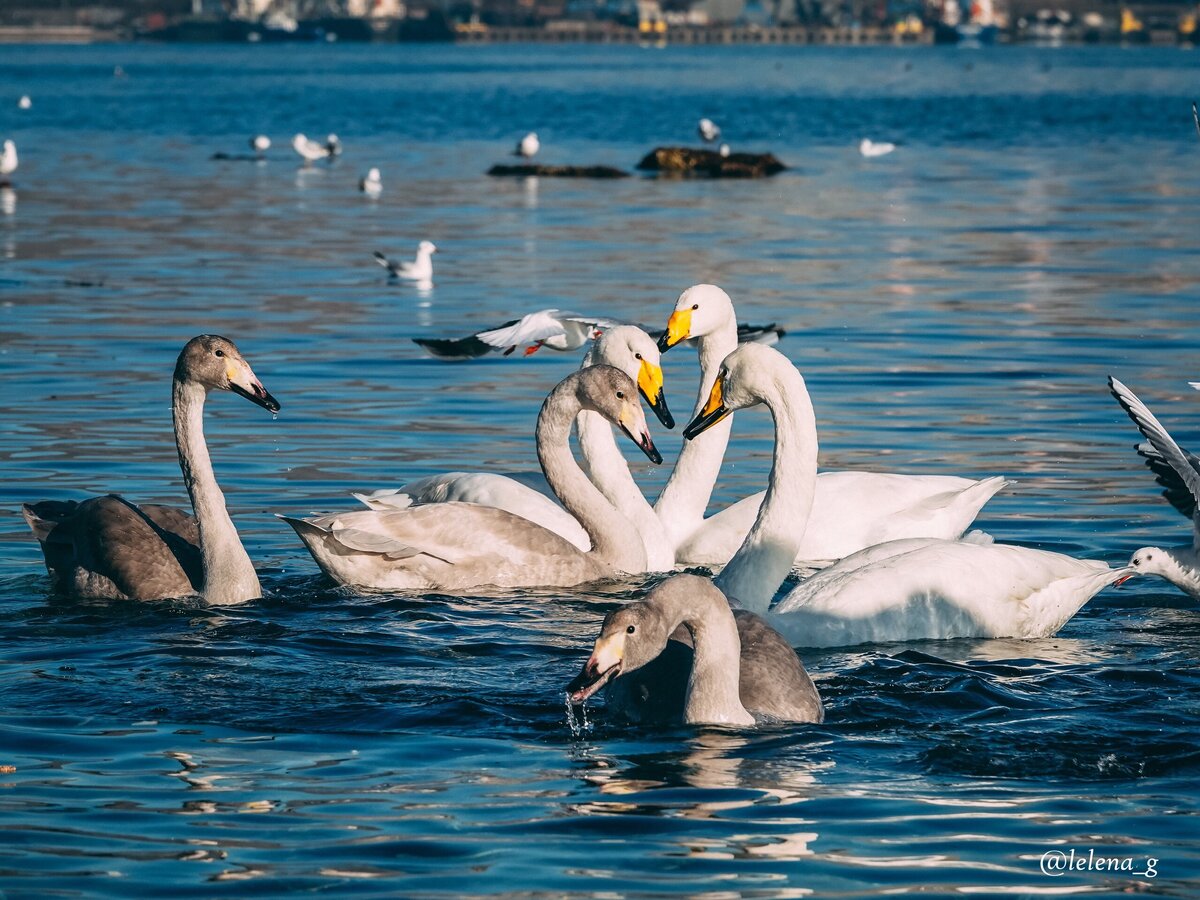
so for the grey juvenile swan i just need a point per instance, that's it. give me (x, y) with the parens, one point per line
(455, 546)
(107, 547)
(741, 670)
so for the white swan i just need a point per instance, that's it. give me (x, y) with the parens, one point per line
(106, 547)
(841, 521)
(1179, 472)
(458, 546)
(916, 590)
(420, 269)
(625, 347)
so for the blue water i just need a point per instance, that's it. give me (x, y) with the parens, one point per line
(955, 308)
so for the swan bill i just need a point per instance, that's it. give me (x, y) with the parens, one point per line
(650, 384)
(679, 328)
(604, 664)
(713, 412)
(256, 393)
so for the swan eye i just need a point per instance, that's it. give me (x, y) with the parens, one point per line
(219, 352)
(631, 629)
(620, 395)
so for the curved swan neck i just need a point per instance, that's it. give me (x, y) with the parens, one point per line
(713, 693)
(682, 503)
(765, 558)
(613, 540)
(229, 576)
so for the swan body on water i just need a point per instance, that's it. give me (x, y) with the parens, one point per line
(740, 671)
(106, 547)
(850, 510)
(459, 546)
(626, 347)
(920, 589)
(1179, 472)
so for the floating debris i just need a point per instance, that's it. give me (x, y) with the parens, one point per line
(530, 169)
(710, 163)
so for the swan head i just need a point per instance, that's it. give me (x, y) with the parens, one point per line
(700, 310)
(637, 633)
(216, 364)
(611, 393)
(748, 376)
(1149, 561)
(634, 352)
(425, 248)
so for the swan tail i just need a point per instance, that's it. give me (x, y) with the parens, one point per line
(387, 498)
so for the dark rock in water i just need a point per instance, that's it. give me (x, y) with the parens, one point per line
(709, 163)
(560, 171)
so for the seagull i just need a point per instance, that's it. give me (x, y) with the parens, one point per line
(420, 269)
(26, 103)
(551, 328)
(8, 159)
(309, 150)
(528, 146)
(723, 150)
(708, 130)
(260, 144)
(372, 184)
(870, 148)
(333, 146)
(1178, 471)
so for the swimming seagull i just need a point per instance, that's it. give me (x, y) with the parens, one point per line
(724, 150)
(420, 269)
(333, 146)
(870, 148)
(8, 160)
(551, 328)
(26, 103)
(528, 146)
(309, 150)
(1178, 471)
(260, 144)
(372, 184)
(708, 131)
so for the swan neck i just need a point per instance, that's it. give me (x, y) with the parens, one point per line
(766, 556)
(229, 576)
(681, 505)
(614, 541)
(714, 686)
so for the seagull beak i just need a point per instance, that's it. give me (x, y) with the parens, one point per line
(679, 327)
(1124, 578)
(245, 383)
(714, 411)
(650, 384)
(633, 423)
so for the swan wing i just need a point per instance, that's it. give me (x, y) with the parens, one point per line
(484, 489)
(941, 590)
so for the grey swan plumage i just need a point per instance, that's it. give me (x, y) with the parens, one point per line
(109, 548)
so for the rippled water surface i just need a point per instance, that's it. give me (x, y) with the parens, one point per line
(955, 308)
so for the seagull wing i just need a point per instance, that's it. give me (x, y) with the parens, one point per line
(1185, 465)
(530, 329)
